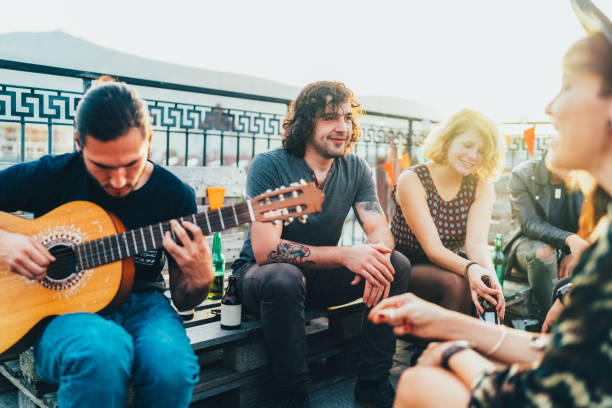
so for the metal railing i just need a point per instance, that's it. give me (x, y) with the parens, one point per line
(39, 120)
(517, 148)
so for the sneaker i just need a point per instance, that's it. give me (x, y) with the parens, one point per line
(296, 400)
(378, 395)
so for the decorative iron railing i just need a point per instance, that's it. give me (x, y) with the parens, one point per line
(39, 120)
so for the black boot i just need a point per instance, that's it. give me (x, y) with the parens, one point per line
(374, 394)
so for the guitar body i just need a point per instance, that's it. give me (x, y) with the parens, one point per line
(93, 269)
(25, 305)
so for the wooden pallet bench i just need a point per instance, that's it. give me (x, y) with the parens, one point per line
(234, 363)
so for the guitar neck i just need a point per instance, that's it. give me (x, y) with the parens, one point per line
(112, 248)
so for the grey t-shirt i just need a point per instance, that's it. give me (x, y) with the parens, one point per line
(349, 181)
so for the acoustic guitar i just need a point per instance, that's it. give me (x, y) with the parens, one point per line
(94, 269)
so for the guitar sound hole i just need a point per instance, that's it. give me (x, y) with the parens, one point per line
(65, 264)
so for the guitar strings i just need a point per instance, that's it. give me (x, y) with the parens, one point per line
(217, 226)
(214, 220)
(215, 223)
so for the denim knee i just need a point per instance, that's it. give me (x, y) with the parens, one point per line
(540, 254)
(284, 281)
(177, 378)
(104, 354)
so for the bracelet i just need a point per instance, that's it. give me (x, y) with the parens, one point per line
(563, 292)
(465, 272)
(498, 344)
(451, 351)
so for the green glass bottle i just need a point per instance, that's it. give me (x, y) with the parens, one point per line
(216, 289)
(498, 259)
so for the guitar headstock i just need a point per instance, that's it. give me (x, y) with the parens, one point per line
(288, 203)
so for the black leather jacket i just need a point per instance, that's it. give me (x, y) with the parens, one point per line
(530, 195)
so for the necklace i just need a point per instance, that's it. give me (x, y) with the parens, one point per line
(316, 180)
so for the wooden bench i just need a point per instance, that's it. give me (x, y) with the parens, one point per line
(234, 365)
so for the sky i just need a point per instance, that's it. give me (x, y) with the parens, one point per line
(502, 57)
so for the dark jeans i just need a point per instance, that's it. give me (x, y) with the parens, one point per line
(280, 292)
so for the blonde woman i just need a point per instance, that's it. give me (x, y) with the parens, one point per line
(444, 206)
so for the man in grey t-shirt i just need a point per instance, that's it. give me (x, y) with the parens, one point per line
(283, 270)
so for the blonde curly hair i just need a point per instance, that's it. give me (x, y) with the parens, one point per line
(439, 139)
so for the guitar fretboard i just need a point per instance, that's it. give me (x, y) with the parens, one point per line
(109, 249)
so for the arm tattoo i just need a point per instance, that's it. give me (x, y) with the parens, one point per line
(291, 252)
(371, 206)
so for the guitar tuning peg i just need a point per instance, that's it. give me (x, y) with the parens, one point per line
(281, 188)
(288, 221)
(276, 222)
(302, 182)
(281, 197)
(294, 184)
(295, 193)
(268, 191)
(299, 208)
(268, 201)
(303, 218)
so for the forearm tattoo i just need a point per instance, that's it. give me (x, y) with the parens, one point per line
(371, 206)
(291, 252)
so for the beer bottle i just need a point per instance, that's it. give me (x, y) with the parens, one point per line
(490, 313)
(216, 289)
(498, 259)
(231, 306)
(187, 315)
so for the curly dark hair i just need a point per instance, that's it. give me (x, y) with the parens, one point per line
(309, 106)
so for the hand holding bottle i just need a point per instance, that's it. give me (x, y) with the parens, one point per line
(479, 290)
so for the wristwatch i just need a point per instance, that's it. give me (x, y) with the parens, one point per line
(563, 291)
(451, 351)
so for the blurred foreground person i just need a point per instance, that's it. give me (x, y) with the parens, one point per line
(571, 367)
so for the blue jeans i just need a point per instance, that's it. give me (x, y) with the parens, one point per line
(92, 358)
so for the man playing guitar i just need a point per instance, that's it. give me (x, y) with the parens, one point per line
(92, 357)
